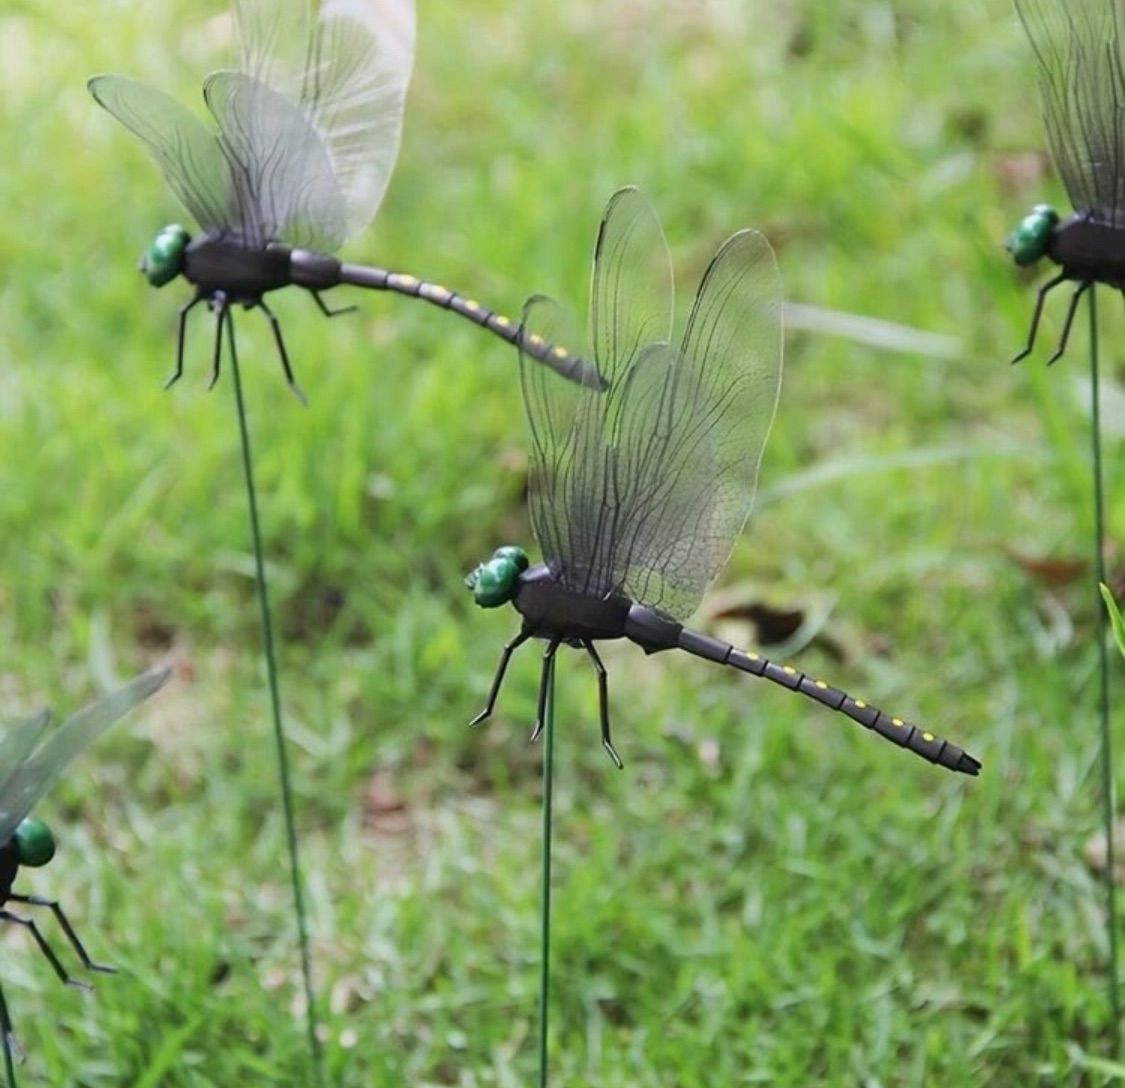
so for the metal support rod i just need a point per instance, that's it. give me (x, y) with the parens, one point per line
(1108, 801)
(278, 731)
(545, 931)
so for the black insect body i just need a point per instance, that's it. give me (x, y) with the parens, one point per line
(29, 764)
(1077, 44)
(637, 492)
(308, 129)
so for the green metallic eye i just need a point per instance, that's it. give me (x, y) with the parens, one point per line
(514, 554)
(494, 583)
(34, 842)
(164, 259)
(1028, 242)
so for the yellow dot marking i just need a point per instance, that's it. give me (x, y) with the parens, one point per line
(821, 684)
(501, 320)
(927, 736)
(559, 353)
(407, 281)
(472, 304)
(860, 703)
(753, 657)
(437, 289)
(788, 669)
(896, 721)
(535, 339)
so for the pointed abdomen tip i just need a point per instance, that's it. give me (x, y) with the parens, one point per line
(967, 765)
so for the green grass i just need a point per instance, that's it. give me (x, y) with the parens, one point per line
(766, 895)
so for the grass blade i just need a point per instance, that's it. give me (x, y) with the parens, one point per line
(1116, 623)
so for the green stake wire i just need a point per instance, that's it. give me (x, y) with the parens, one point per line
(545, 929)
(6, 1021)
(1108, 801)
(278, 732)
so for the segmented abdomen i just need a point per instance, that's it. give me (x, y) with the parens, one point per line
(901, 732)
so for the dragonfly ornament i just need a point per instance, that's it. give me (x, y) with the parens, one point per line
(1077, 44)
(308, 129)
(29, 766)
(638, 493)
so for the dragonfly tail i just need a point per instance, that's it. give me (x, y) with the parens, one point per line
(564, 362)
(897, 730)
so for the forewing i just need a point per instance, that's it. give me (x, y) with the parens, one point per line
(608, 505)
(1077, 44)
(347, 70)
(187, 154)
(659, 465)
(272, 41)
(631, 297)
(355, 90)
(693, 426)
(641, 488)
(19, 738)
(283, 184)
(553, 407)
(35, 775)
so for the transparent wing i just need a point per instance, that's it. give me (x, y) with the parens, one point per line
(573, 493)
(732, 347)
(355, 90)
(631, 297)
(1082, 81)
(611, 513)
(19, 737)
(36, 774)
(272, 41)
(283, 186)
(553, 406)
(662, 468)
(187, 154)
(642, 489)
(348, 71)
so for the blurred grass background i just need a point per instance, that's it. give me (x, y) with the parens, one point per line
(766, 895)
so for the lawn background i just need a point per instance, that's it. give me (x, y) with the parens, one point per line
(766, 895)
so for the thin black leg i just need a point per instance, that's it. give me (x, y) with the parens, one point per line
(1036, 314)
(603, 702)
(327, 310)
(219, 305)
(1082, 288)
(275, 325)
(498, 679)
(56, 909)
(181, 335)
(44, 947)
(544, 687)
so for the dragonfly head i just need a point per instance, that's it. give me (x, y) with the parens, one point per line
(35, 843)
(1028, 242)
(163, 261)
(494, 583)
